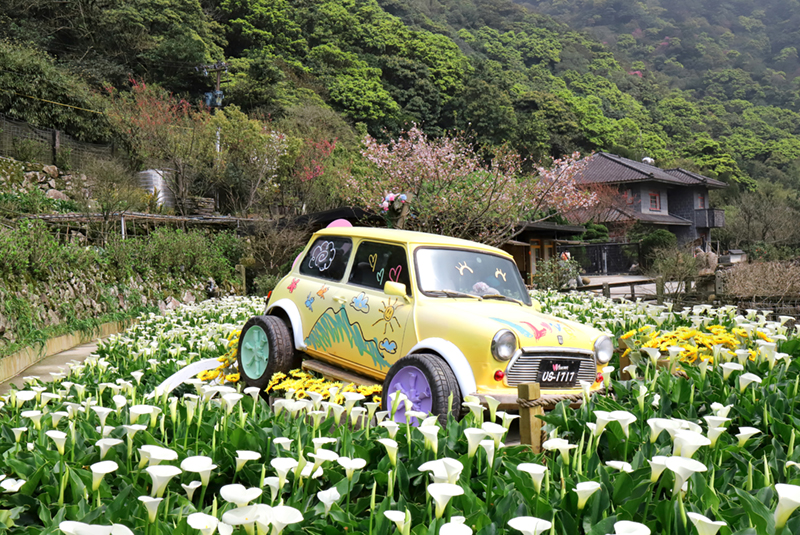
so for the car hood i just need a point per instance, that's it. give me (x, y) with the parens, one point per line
(487, 317)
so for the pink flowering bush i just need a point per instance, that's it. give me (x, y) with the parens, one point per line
(447, 187)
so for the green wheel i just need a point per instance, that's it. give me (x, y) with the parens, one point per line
(255, 352)
(265, 348)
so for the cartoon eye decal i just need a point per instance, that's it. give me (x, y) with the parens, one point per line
(462, 266)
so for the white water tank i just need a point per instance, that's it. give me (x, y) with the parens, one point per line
(152, 180)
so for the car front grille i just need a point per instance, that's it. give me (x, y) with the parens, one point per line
(525, 369)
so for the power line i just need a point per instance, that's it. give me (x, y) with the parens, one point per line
(59, 103)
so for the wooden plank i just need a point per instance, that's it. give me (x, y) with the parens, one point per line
(530, 427)
(337, 374)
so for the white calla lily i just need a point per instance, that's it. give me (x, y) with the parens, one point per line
(704, 525)
(788, 501)
(238, 494)
(328, 498)
(627, 527)
(745, 434)
(101, 469)
(283, 516)
(529, 525)
(206, 524)
(584, 491)
(442, 493)
(242, 456)
(536, 471)
(151, 504)
(161, 475)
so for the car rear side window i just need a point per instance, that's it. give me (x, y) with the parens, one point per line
(377, 263)
(327, 258)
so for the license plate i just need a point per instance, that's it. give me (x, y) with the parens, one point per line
(558, 372)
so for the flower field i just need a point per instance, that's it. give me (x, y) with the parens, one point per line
(709, 448)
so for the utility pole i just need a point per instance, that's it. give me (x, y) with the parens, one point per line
(214, 99)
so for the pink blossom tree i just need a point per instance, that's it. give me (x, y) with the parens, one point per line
(445, 187)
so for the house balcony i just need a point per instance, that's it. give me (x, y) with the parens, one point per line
(709, 218)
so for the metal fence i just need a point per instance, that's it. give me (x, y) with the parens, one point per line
(21, 140)
(604, 258)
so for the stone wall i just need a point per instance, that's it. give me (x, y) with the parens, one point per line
(27, 305)
(17, 177)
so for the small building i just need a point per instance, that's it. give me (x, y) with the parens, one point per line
(537, 242)
(674, 199)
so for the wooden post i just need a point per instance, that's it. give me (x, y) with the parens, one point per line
(606, 290)
(633, 291)
(530, 427)
(56, 146)
(660, 290)
(241, 271)
(623, 363)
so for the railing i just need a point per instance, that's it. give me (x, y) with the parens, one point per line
(606, 287)
(709, 218)
(603, 258)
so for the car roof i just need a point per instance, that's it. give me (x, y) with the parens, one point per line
(408, 237)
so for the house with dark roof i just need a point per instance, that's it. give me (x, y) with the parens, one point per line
(674, 199)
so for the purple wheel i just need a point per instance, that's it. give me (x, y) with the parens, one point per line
(427, 381)
(412, 382)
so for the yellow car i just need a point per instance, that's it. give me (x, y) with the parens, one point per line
(428, 315)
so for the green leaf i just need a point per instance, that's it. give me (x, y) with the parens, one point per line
(757, 512)
(603, 527)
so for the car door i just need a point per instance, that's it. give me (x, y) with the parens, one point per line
(321, 276)
(376, 322)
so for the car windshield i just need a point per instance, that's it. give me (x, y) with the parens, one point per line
(468, 273)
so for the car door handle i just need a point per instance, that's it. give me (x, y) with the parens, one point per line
(340, 299)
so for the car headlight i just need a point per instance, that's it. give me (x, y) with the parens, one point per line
(603, 349)
(504, 344)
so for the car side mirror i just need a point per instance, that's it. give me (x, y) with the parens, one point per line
(397, 289)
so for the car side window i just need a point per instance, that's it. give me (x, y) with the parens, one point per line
(327, 258)
(377, 263)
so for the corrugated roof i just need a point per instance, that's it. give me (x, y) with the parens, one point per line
(661, 219)
(699, 179)
(616, 214)
(606, 168)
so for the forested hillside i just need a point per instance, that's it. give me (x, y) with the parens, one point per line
(704, 85)
(744, 49)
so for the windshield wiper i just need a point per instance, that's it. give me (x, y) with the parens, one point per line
(503, 297)
(453, 293)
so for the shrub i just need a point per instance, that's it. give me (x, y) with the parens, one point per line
(64, 159)
(173, 252)
(229, 246)
(555, 274)
(768, 252)
(674, 264)
(658, 239)
(34, 202)
(595, 233)
(762, 279)
(265, 283)
(32, 250)
(27, 150)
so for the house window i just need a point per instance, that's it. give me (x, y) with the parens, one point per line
(701, 201)
(655, 201)
(629, 196)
